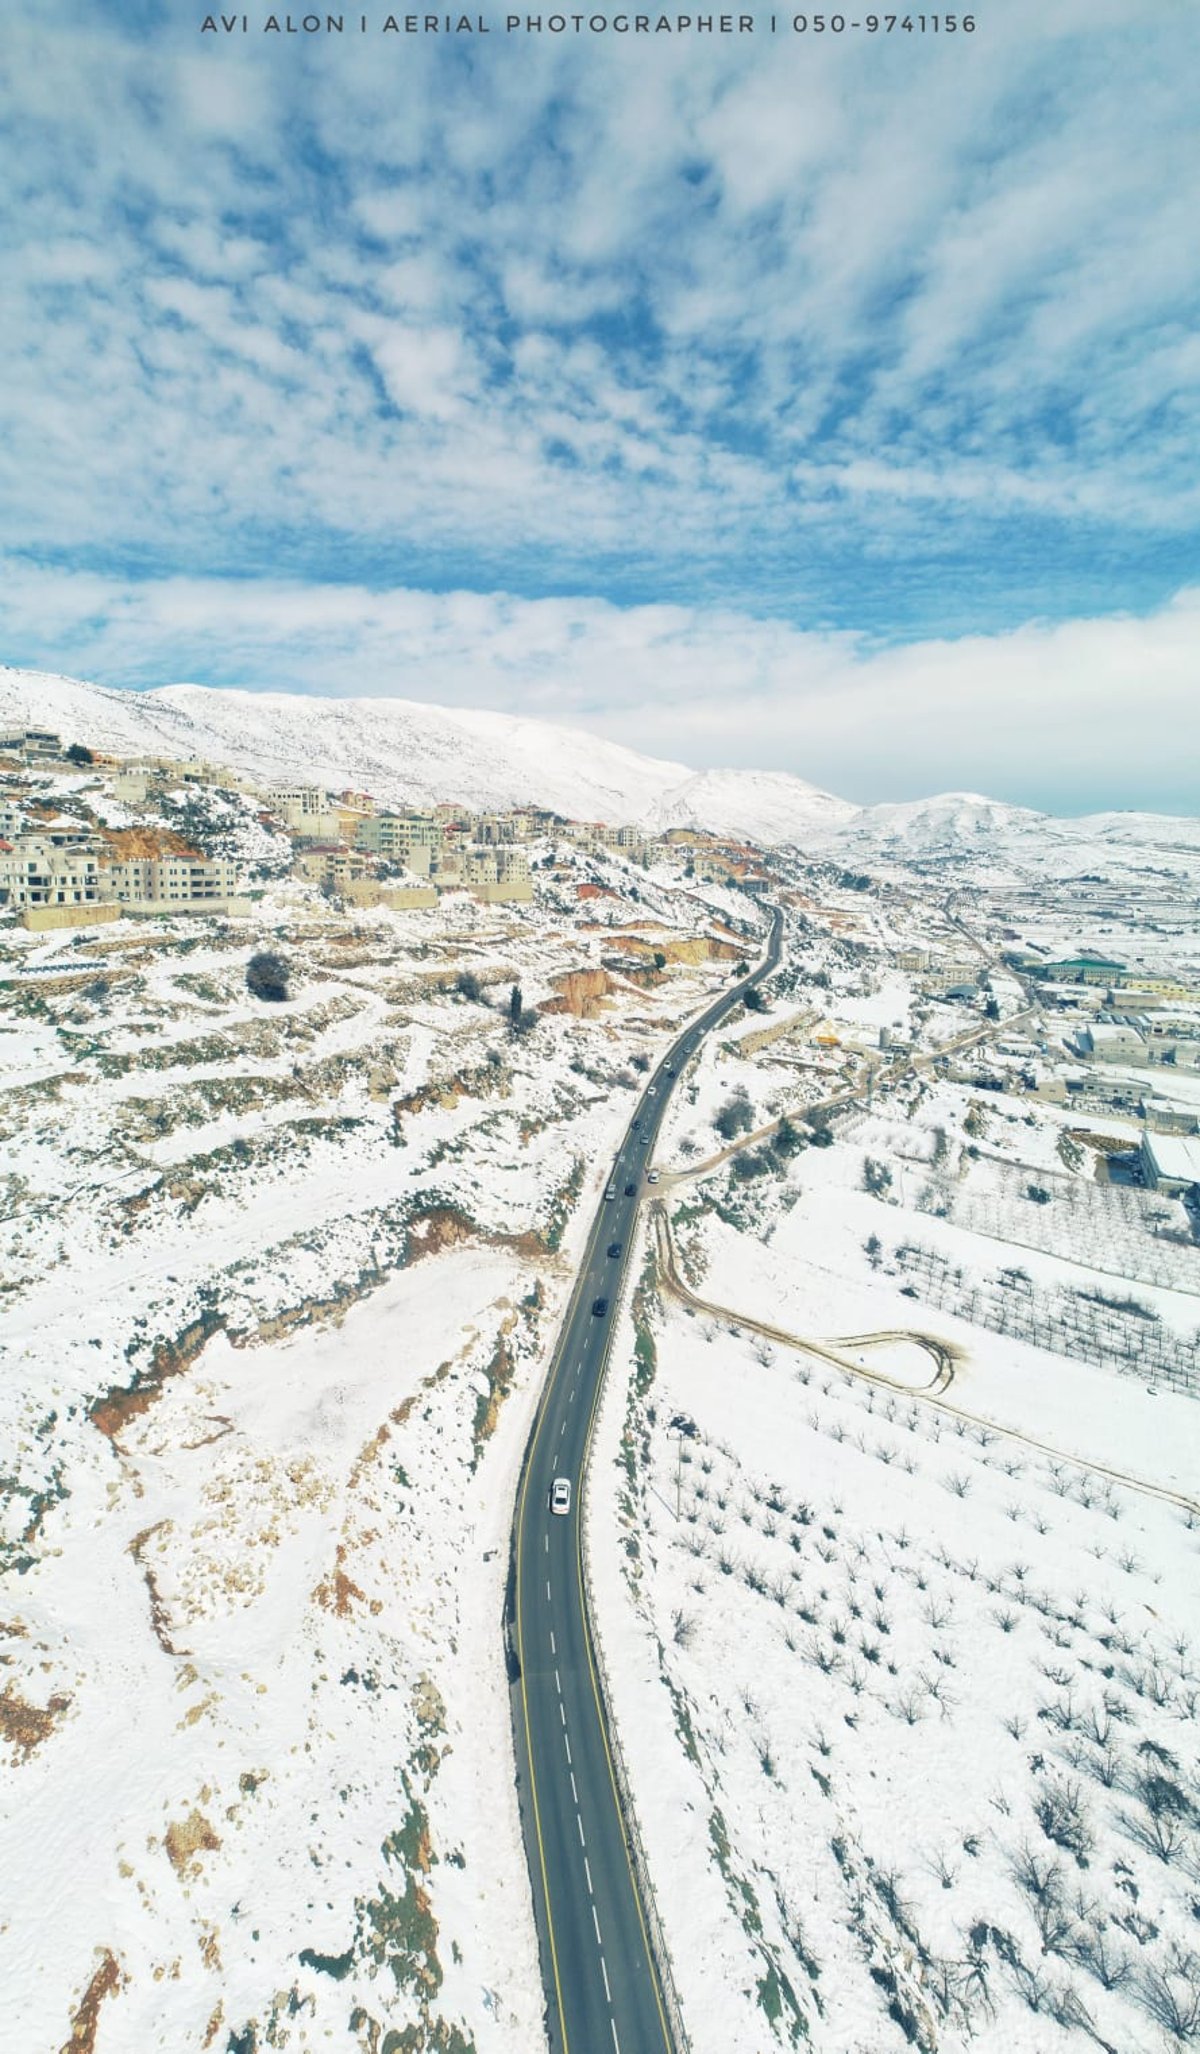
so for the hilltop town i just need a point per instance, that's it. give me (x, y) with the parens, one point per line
(86, 836)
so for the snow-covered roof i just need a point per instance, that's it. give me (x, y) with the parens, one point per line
(1174, 1156)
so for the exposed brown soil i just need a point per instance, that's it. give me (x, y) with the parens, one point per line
(126, 843)
(25, 1726)
(338, 1592)
(479, 1080)
(1102, 1144)
(187, 1839)
(160, 1618)
(170, 1358)
(580, 992)
(86, 2021)
(499, 1372)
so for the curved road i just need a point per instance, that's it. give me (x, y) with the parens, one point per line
(602, 1989)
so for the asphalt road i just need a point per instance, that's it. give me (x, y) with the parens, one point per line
(602, 1990)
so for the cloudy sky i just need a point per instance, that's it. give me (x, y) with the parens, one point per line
(823, 403)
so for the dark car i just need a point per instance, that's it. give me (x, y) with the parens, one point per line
(614, 1249)
(630, 1190)
(600, 1308)
(670, 1069)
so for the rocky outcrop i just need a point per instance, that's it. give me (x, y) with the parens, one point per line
(125, 844)
(584, 993)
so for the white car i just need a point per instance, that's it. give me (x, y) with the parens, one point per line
(560, 1495)
(652, 1177)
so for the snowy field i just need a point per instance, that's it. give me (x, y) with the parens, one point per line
(900, 1612)
(279, 1284)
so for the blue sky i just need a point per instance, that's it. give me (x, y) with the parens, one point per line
(828, 404)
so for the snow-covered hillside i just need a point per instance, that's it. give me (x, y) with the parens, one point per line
(405, 751)
(968, 826)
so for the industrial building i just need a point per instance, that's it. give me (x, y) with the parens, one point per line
(1171, 1163)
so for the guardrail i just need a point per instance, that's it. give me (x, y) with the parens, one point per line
(664, 1968)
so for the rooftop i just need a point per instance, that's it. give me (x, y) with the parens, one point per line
(1175, 1156)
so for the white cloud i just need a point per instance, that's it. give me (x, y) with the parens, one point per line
(929, 273)
(1080, 714)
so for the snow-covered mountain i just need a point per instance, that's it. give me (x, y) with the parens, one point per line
(961, 821)
(404, 751)
(761, 804)
(967, 827)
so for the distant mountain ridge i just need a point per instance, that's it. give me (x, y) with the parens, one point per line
(406, 752)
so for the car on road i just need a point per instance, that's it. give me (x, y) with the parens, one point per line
(652, 1177)
(614, 1249)
(670, 1069)
(630, 1190)
(612, 1191)
(560, 1495)
(599, 1308)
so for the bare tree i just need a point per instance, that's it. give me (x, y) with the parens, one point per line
(1171, 1994)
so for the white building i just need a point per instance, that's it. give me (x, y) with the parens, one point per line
(1171, 1163)
(170, 880)
(42, 872)
(500, 875)
(307, 810)
(31, 743)
(1112, 1041)
(414, 839)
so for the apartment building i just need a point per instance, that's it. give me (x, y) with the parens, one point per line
(491, 829)
(331, 865)
(39, 871)
(309, 812)
(498, 876)
(162, 881)
(414, 839)
(31, 744)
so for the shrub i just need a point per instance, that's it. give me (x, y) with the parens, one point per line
(1060, 1814)
(788, 1139)
(735, 1118)
(268, 975)
(467, 985)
